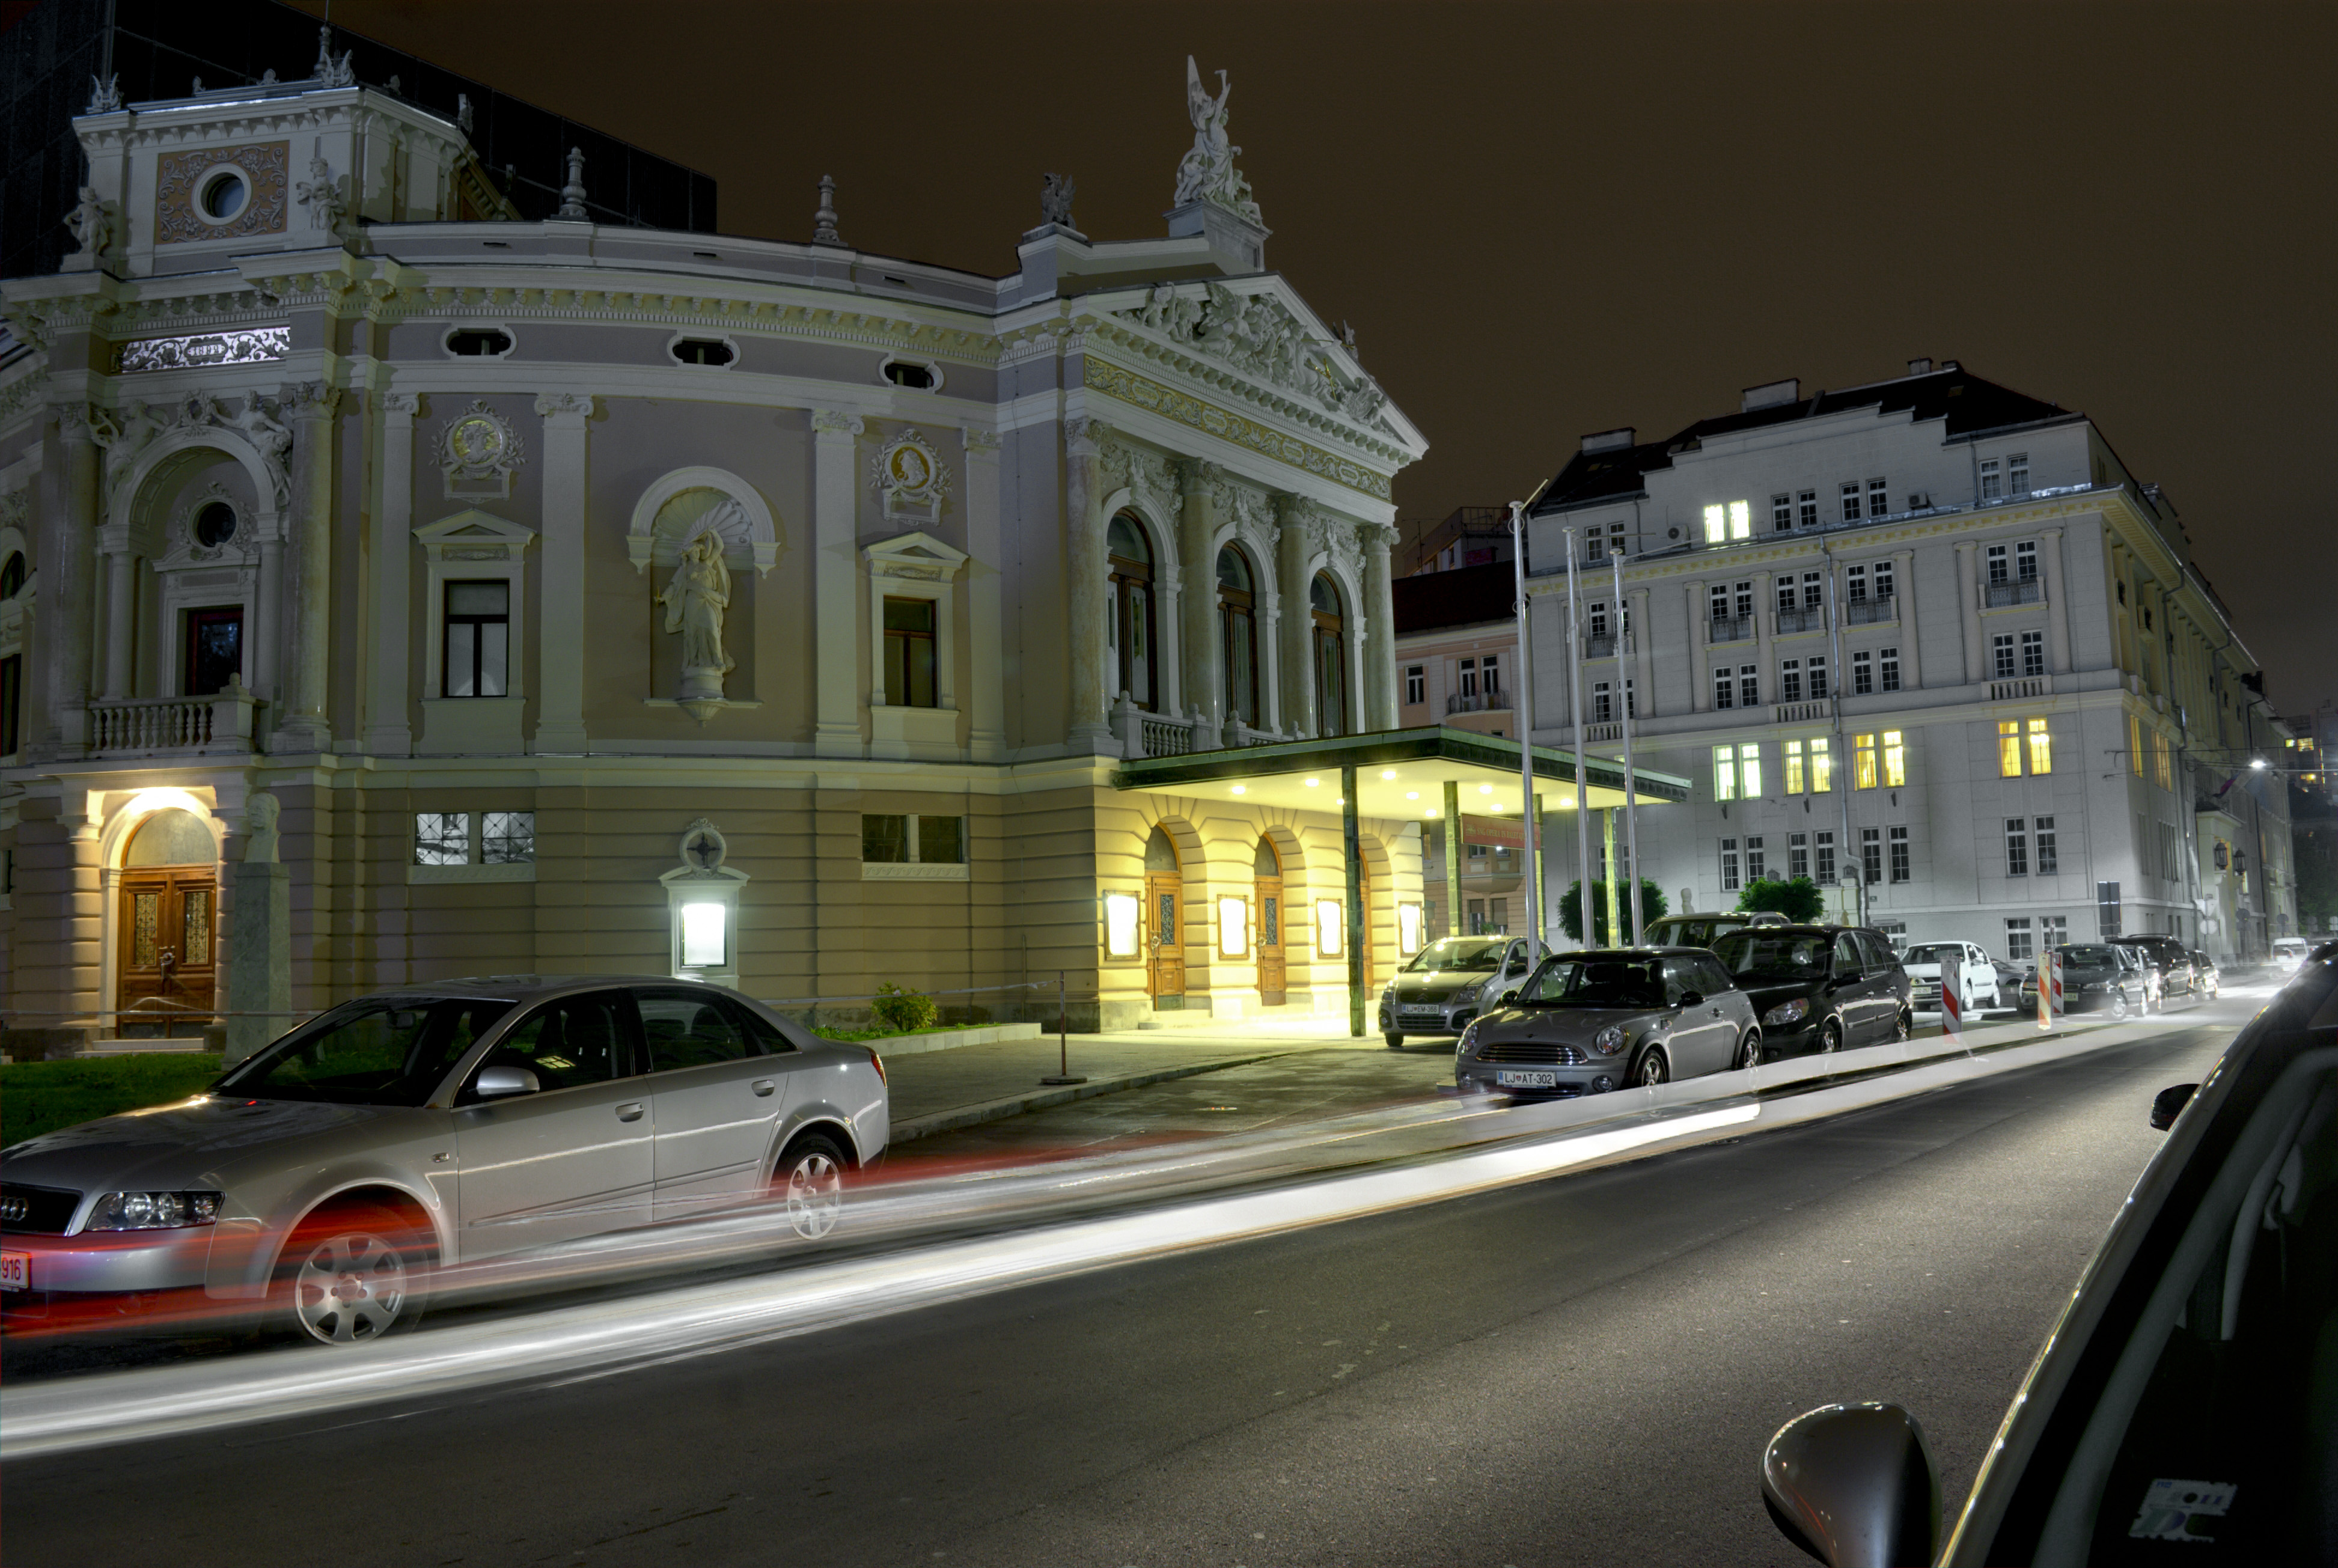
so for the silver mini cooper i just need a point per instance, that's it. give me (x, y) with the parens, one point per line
(1587, 1022)
(321, 1183)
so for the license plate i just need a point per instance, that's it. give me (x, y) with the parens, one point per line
(15, 1270)
(1526, 1080)
(1422, 1015)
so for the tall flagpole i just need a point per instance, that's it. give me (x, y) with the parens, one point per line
(1631, 779)
(1574, 698)
(1526, 727)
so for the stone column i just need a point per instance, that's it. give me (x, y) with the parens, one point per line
(306, 632)
(1911, 659)
(1642, 657)
(260, 938)
(560, 616)
(69, 517)
(386, 732)
(1969, 602)
(1087, 577)
(2058, 608)
(1380, 594)
(1700, 643)
(985, 700)
(1455, 912)
(836, 597)
(121, 618)
(1297, 539)
(1204, 647)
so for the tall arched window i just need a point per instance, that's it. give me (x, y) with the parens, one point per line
(1130, 624)
(1238, 634)
(12, 575)
(1330, 646)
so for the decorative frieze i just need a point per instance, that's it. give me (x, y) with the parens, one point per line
(188, 200)
(207, 350)
(1186, 410)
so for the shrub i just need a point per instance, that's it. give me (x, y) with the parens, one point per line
(1799, 900)
(1570, 909)
(903, 1011)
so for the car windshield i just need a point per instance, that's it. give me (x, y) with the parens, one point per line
(1935, 953)
(1782, 954)
(1597, 981)
(2089, 956)
(391, 1051)
(1475, 953)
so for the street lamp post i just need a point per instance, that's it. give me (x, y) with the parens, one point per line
(1524, 724)
(1575, 702)
(1624, 651)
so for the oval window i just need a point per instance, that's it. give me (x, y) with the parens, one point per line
(704, 351)
(912, 376)
(481, 343)
(223, 198)
(214, 524)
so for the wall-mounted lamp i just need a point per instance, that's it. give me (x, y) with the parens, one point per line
(1331, 921)
(1233, 928)
(1120, 920)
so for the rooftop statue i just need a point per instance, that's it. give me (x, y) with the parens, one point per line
(1207, 172)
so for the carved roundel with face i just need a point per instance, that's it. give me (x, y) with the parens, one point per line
(476, 442)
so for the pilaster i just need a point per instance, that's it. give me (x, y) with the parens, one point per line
(1297, 541)
(1968, 601)
(560, 623)
(1911, 644)
(388, 733)
(1204, 684)
(306, 636)
(985, 699)
(1380, 668)
(69, 516)
(2058, 608)
(1087, 578)
(836, 606)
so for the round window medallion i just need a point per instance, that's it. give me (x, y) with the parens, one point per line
(214, 524)
(222, 195)
(477, 441)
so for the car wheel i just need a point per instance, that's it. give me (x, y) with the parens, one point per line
(810, 1180)
(1829, 1036)
(352, 1275)
(2119, 1008)
(1651, 1070)
(1749, 1049)
(1904, 1024)
(1395, 1041)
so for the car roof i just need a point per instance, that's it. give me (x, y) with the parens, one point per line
(524, 987)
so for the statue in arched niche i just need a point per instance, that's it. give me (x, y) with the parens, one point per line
(696, 598)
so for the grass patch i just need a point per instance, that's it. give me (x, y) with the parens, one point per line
(894, 1034)
(37, 1097)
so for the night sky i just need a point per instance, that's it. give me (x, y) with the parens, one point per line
(1548, 220)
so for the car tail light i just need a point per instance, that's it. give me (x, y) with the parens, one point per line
(878, 1063)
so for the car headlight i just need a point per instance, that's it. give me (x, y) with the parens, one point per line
(153, 1210)
(1788, 1012)
(1469, 1038)
(1608, 1040)
(2096, 986)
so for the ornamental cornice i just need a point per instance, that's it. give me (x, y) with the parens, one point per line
(702, 309)
(1226, 385)
(203, 125)
(1170, 403)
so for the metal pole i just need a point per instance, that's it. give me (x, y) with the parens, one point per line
(1614, 894)
(1062, 1037)
(1355, 921)
(1574, 698)
(1454, 924)
(1623, 660)
(1843, 762)
(1525, 725)
(1541, 880)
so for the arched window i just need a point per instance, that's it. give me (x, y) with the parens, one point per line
(1238, 634)
(1130, 624)
(1330, 646)
(12, 575)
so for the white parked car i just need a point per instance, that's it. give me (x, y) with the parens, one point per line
(1927, 961)
(2288, 951)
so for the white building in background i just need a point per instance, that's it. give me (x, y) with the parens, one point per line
(1929, 636)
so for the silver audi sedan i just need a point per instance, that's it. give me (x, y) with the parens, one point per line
(1587, 1022)
(318, 1185)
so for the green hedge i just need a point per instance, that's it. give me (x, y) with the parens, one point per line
(37, 1097)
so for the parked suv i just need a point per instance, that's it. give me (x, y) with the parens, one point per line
(1704, 930)
(1819, 988)
(2168, 958)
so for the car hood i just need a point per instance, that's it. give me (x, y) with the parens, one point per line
(191, 1143)
(1567, 1024)
(1435, 984)
(1923, 971)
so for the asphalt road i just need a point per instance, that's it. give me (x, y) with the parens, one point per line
(1579, 1371)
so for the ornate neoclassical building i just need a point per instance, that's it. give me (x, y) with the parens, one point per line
(561, 583)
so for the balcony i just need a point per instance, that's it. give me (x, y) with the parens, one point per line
(1870, 612)
(1811, 619)
(1479, 702)
(1601, 734)
(1800, 712)
(2021, 688)
(1739, 629)
(214, 726)
(1598, 646)
(2006, 595)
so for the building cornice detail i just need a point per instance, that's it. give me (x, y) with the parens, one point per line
(1142, 392)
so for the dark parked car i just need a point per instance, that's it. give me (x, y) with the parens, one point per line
(2096, 977)
(1587, 1022)
(1819, 988)
(1704, 930)
(2170, 958)
(2182, 1410)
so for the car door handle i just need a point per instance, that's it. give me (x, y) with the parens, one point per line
(763, 1085)
(631, 1110)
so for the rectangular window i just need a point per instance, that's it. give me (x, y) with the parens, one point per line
(2041, 747)
(1879, 501)
(2025, 561)
(909, 652)
(1615, 543)
(2017, 847)
(1871, 854)
(2008, 747)
(1470, 679)
(884, 839)
(1806, 508)
(1813, 590)
(1790, 680)
(1749, 771)
(1992, 482)
(2047, 862)
(1599, 618)
(1863, 761)
(1798, 855)
(941, 840)
(2000, 649)
(1749, 686)
(1785, 592)
(1884, 579)
(1416, 685)
(1862, 674)
(1899, 870)
(478, 640)
(1825, 849)
(2053, 930)
(1631, 699)
(1603, 702)
(1817, 678)
(1716, 525)
(1895, 761)
(1740, 520)
(1490, 667)
(1887, 665)
(2107, 910)
(1746, 600)
(1793, 768)
(1855, 582)
(2134, 743)
(1717, 600)
(1851, 502)
(2017, 473)
(2163, 761)
(1729, 878)
(1725, 690)
(1782, 512)
(1725, 772)
(2143, 844)
(442, 839)
(1756, 863)
(214, 650)
(1997, 568)
(12, 703)
(1822, 768)
(506, 838)
(2033, 652)
(887, 839)
(2018, 939)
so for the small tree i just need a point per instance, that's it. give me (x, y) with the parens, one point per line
(902, 1011)
(1798, 900)
(1570, 909)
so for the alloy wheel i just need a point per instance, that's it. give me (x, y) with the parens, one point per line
(1830, 1037)
(1749, 1049)
(1651, 1071)
(351, 1284)
(814, 1190)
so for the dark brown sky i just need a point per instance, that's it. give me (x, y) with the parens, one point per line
(1544, 220)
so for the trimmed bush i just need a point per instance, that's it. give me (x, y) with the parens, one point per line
(902, 1011)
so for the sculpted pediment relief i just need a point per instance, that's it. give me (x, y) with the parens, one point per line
(473, 536)
(918, 556)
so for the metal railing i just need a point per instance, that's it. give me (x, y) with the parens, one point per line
(1597, 646)
(2022, 591)
(1478, 702)
(1733, 629)
(163, 725)
(1868, 612)
(1799, 712)
(1811, 618)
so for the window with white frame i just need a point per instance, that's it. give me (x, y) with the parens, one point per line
(1730, 880)
(2053, 931)
(1744, 601)
(2017, 473)
(1724, 522)
(1749, 686)
(1717, 601)
(1871, 854)
(1813, 590)
(1749, 769)
(1603, 702)
(1468, 677)
(1631, 699)
(1879, 498)
(1725, 772)
(478, 639)
(1786, 594)
(1887, 665)
(1806, 508)
(1725, 688)
(1790, 680)
(1489, 669)
(1798, 855)
(2049, 862)
(2018, 939)
(2000, 567)
(1822, 850)
(2025, 561)
(1862, 673)
(2017, 847)
(1818, 677)
(1598, 618)
(1884, 579)
(1614, 539)
(1782, 512)
(1901, 869)
(1756, 862)
(2001, 648)
(2033, 652)
(1851, 505)
(1855, 582)
(1992, 480)
(1416, 685)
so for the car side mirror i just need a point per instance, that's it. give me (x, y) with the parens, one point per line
(1853, 1485)
(494, 1082)
(1507, 997)
(2168, 1103)
(1691, 998)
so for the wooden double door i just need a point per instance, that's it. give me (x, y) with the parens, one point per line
(168, 948)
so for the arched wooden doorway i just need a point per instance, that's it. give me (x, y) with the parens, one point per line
(1164, 894)
(1268, 869)
(168, 939)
